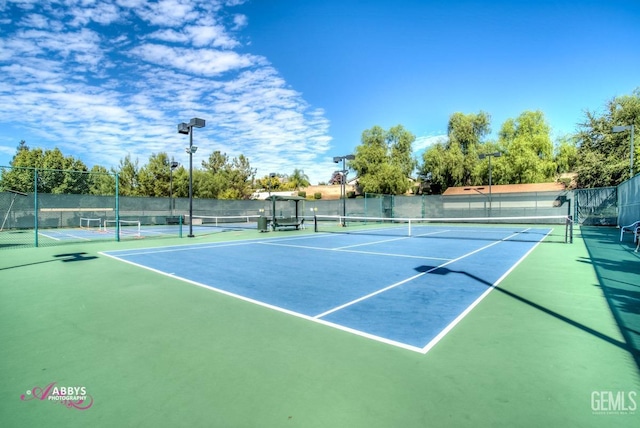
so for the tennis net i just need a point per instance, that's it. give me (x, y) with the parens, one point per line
(226, 221)
(90, 223)
(532, 228)
(126, 227)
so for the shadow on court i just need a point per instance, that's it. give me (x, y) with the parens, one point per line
(628, 346)
(618, 270)
(69, 257)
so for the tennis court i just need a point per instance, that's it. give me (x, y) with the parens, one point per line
(91, 229)
(448, 325)
(400, 290)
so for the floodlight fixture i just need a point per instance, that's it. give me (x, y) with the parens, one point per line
(183, 128)
(493, 155)
(187, 128)
(271, 175)
(196, 123)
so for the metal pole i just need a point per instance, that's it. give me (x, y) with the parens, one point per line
(490, 205)
(117, 207)
(171, 189)
(344, 191)
(631, 155)
(190, 182)
(35, 205)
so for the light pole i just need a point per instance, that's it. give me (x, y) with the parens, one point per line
(271, 176)
(490, 155)
(173, 165)
(187, 128)
(617, 129)
(343, 182)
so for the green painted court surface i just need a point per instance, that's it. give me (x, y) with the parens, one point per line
(553, 345)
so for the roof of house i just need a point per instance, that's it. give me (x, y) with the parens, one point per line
(506, 188)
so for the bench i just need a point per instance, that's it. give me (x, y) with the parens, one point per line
(288, 222)
(174, 220)
(633, 228)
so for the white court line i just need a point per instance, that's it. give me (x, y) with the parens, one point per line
(63, 235)
(387, 240)
(276, 308)
(464, 313)
(397, 284)
(384, 340)
(373, 253)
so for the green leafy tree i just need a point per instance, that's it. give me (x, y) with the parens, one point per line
(384, 161)
(238, 176)
(566, 154)
(603, 157)
(455, 162)
(56, 173)
(224, 178)
(153, 178)
(101, 181)
(128, 176)
(298, 179)
(20, 176)
(272, 183)
(527, 150)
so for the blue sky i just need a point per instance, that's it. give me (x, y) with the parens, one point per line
(292, 83)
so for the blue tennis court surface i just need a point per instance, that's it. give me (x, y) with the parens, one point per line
(405, 291)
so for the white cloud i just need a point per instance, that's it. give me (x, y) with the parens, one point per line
(423, 143)
(99, 92)
(210, 35)
(168, 13)
(206, 62)
(239, 21)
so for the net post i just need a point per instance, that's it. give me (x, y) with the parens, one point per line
(180, 226)
(571, 229)
(315, 223)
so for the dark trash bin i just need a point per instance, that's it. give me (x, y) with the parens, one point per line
(262, 224)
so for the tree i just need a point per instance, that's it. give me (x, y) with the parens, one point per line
(101, 181)
(153, 178)
(238, 176)
(455, 162)
(20, 176)
(56, 173)
(566, 154)
(603, 156)
(224, 179)
(384, 161)
(527, 150)
(128, 177)
(298, 179)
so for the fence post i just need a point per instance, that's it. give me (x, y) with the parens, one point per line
(35, 206)
(117, 209)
